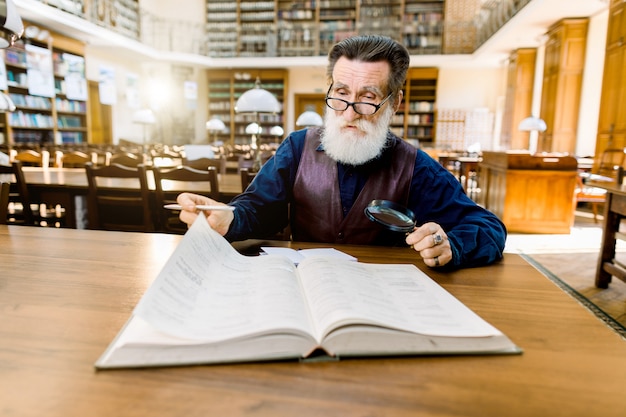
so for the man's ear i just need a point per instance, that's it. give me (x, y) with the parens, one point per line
(398, 101)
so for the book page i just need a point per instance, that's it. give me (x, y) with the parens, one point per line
(299, 255)
(209, 292)
(397, 296)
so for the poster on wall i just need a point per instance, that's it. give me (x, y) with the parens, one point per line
(132, 91)
(106, 86)
(39, 71)
(75, 80)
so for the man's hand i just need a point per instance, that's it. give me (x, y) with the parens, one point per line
(432, 244)
(218, 220)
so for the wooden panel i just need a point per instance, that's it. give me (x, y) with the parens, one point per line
(520, 80)
(530, 194)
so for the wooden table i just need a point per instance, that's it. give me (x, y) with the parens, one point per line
(63, 185)
(614, 212)
(65, 293)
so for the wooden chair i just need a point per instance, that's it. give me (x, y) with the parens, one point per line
(113, 203)
(246, 177)
(127, 159)
(168, 220)
(203, 163)
(19, 200)
(5, 188)
(73, 159)
(609, 168)
(30, 157)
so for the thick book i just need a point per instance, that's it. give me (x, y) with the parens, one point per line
(210, 304)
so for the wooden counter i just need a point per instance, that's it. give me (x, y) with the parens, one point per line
(529, 193)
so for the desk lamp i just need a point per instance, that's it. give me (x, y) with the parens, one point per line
(533, 125)
(256, 101)
(12, 27)
(215, 125)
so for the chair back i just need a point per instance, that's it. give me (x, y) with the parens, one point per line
(30, 157)
(246, 177)
(19, 198)
(118, 198)
(203, 163)
(610, 160)
(5, 188)
(164, 178)
(73, 159)
(124, 158)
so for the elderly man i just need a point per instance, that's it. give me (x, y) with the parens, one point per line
(321, 180)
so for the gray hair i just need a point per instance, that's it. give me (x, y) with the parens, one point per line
(373, 48)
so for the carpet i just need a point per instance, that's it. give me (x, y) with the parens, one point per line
(574, 273)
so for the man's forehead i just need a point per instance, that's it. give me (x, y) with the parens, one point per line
(360, 74)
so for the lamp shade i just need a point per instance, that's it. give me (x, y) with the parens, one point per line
(6, 104)
(144, 117)
(215, 125)
(257, 100)
(277, 131)
(253, 129)
(309, 118)
(532, 123)
(12, 27)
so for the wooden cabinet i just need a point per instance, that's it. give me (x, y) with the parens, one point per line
(612, 117)
(309, 28)
(529, 193)
(519, 94)
(415, 120)
(226, 86)
(47, 83)
(562, 84)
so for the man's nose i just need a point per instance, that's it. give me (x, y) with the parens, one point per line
(350, 114)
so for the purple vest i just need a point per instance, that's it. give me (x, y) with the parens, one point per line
(316, 212)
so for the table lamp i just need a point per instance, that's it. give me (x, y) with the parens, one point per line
(533, 125)
(144, 117)
(12, 27)
(309, 118)
(215, 125)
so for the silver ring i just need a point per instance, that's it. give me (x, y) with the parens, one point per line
(437, 239)
(436, 258)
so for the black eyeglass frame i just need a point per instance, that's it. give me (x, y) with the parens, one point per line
(353, 104)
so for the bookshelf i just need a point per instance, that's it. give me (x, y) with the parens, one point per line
(310, 28)
(47, 83)
(415, 120)
(226, 86)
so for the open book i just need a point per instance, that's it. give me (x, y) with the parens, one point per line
(210, 304)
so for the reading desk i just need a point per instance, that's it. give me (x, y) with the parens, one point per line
(65, 293)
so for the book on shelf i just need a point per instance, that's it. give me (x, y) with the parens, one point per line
(210, 304)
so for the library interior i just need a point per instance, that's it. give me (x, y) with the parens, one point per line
(110, 109)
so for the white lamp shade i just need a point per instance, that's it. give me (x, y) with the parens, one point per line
(257, 100)
(12, 28)
(253, 129)
(144, 117)
(277, 131)
(532, 123)
(309, 118)
(215, 124)
(6, 104)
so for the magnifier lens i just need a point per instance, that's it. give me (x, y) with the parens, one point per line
(391, 215)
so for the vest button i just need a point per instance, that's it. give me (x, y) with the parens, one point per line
(340, 236)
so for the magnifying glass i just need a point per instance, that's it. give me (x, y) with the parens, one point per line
(392, 215)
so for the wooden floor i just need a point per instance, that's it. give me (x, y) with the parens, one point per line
(572, 258)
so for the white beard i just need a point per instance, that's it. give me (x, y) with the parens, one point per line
(355, 148)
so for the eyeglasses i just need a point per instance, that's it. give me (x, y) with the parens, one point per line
(364, 109)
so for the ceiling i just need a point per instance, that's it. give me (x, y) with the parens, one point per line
(526, 29)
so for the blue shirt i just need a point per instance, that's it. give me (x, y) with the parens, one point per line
(477, 236)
